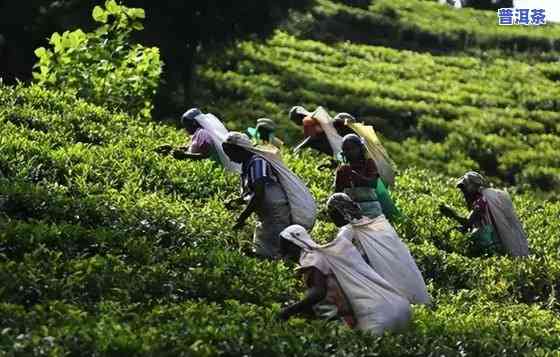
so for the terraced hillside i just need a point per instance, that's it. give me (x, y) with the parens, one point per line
(107, 248)
(445, 112)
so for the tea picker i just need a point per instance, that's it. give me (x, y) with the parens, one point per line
(493, 223)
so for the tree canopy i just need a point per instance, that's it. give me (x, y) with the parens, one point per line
(180, 29)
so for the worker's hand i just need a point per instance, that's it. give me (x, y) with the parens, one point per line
(232, 203)
(238, 225)
(328, 165)
(345, 169)
(357, 175)
(164, 149)
(447, 211)
(284, 314)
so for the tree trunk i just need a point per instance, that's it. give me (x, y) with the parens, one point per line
(188, 73)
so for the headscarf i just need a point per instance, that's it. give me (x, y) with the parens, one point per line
(266, 123)
(239, 139)
(345, 117)
(217, 132)
(374, 148)
(473, 182)
(353, 138)
(356, 140)
(298, 112)
(344, 205)
(271, 139)
(302, 205)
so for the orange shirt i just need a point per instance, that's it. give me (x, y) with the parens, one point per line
(311, 127)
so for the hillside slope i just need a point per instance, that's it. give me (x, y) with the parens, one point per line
(107, 248)
(445, 112)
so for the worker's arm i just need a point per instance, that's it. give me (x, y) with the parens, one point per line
(182, 152)
(341, 177)
(370, 173)
(201, 147)
(317, 291)
(233, 202)
(186, 154)
(475, 217)
(254, 202)
(451, 213)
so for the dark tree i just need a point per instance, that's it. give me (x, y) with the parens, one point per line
(183, 30)
(26, 25)
(489, 4)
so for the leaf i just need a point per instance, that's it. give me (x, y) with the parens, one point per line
(112, 7)
(42, 53)
(137, 13)
(102, 30)
(55, 39)
(137, 25)
(100, 15)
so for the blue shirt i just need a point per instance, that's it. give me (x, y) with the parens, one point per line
(257, 168)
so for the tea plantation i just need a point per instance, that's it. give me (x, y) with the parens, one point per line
(448, 112)
(109, 249)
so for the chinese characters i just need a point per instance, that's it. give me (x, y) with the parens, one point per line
(526, 17)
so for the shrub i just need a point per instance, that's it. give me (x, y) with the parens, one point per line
(103, 66)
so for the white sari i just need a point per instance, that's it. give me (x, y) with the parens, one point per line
(218, 132)
(388, 256)
(509, 228)
(377, 306)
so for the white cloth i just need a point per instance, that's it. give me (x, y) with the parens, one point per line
(218, 132)
(376, 151)
(326, 122)
(376, 304)
(388, 256)
(302, 205)
(509, 228)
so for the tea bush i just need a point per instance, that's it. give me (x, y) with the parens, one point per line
(107, 248)
(425, 25)
(446, 113)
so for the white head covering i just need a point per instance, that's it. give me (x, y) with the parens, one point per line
(349, 209)
(302, 205)
(218, 133)
(326, 122)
